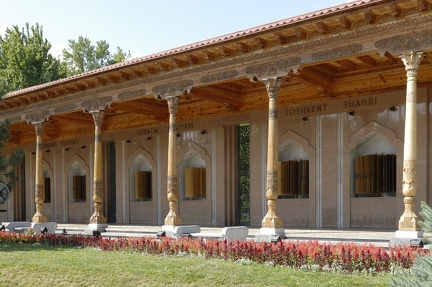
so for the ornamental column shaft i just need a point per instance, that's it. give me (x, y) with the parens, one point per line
(408, 220)
(271, 220)
(97, 218)
(172, 218)
(39, 217)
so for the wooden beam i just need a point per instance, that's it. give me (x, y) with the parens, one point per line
(144, 106)
(79, 118)
(230, 100)
(311, 78)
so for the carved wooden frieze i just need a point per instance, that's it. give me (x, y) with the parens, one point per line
(337, 52)
(97, 104)
(132, 94)
(175, 89)
(225, 75)
(15, 119)
(65, 108)
(37, 117)
(273, 69)
(413, 41)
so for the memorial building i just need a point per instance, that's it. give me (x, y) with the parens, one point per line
(316, 121)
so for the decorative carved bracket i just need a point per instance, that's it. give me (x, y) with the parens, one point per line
(37, 117)
(276, 69)
(405, 43)
(175, 89)
(97, 104)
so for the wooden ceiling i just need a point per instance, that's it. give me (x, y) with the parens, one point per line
(343, 77)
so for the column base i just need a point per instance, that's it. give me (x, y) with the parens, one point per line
(38, 227)
(172, 219)
(270, 234)
(39, 218)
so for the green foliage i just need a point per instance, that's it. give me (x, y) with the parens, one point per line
(426, 213)
(25, 59)
(120, 56)
(420, 273)
(7, 163)
(82, 56)
(243, 145)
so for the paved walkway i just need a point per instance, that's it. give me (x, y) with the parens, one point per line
(377, 237)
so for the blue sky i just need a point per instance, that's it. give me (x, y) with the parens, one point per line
(145, 27)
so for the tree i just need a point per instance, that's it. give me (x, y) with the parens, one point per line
(7, 163)
(82, 56)
(120, 56)
(25, 60)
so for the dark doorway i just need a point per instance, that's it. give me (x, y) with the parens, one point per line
(111, 183)
(243, 175)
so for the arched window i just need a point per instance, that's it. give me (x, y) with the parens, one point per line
(293, 171)
(193, 182)
(140, 178)
(77, 182)
(374, 165)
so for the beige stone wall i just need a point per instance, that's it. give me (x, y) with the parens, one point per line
(327, 132)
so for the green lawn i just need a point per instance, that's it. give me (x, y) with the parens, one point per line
(35, 265)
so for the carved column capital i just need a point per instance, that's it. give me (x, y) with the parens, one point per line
(272, 85)
(411, 61)
(172, 104)
(38, 128)
(98, 116)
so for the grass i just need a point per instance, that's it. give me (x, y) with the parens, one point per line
(36, 265)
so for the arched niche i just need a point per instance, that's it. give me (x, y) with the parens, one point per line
(294, 155)
(140, 161)
(292, 150)
(373, 147)
(48, 184)
(141, 173)
(194, 173)
(78, 180)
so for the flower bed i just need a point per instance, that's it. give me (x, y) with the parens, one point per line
(340, 257)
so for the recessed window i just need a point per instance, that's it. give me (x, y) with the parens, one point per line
(77, 182)
(294, 179)
(140, 179)
(195, 183)
(375, 175)
(47, 186)
(142, 185)
(79, 188)
(192, 179)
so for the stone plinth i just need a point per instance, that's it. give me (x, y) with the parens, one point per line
(38, 227)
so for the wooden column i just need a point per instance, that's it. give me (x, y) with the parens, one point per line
(172, 217)
(271, 220)
(408, 220)
(39, 217)
(172, 92)
(97, 219)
